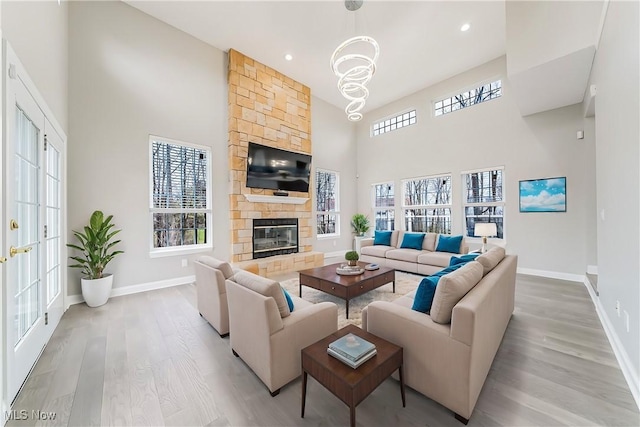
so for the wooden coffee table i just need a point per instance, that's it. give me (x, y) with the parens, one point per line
(350, 385)
(326, 279)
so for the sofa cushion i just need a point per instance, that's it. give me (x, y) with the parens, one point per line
(288, 298)
(412, 241)
(424, 295)
(382, 238)
(451, 288)
(447, 270)
(429, 242)
(463, 259)
(265, 287)
(223, 266)
(408, 255)
(377, 250)
(491, 258)
(394, 238)
(441, 259)
(449, 244)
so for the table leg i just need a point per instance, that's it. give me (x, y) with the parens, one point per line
(347, 309)
(352, 410)
(404, 405)
(304, 392)
(301, 290)
(394, 286)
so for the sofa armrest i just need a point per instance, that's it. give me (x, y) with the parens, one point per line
(367, 241)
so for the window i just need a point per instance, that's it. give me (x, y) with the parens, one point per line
(427, 204)
(180, 193)
(393, 123)
(483, 199)
(469, 98)
(327, 203)
(384, 206)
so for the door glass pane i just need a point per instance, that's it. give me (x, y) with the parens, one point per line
(53, 239)
(26, 161)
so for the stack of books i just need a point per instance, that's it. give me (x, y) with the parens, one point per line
(352, 350)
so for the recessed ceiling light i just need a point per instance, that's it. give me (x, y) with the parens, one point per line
(288, 57)
(465, 27)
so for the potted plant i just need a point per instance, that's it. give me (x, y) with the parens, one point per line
(352, 258)
(95, 247)
(360, 224)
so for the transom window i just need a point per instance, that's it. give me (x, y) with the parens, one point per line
(180, 189)
(393, 123)
(427, 204)
(466, 99)
(483, 199)
(384, 205)
(327, 203)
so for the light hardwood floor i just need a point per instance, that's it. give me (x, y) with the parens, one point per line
(150, 359)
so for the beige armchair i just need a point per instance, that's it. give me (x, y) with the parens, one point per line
(266, 335)
(211, 290)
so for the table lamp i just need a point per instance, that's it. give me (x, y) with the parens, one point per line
(484, 230)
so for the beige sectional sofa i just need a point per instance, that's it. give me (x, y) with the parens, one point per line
(449, 362)
(426, 261)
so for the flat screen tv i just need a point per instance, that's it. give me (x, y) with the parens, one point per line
(277, 169)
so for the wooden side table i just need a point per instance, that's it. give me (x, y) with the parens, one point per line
(350, 385)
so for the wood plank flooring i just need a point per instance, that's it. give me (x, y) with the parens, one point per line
(150, 359)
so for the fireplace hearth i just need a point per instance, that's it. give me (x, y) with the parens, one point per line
(274, 237)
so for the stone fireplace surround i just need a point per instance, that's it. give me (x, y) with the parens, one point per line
(269, 108)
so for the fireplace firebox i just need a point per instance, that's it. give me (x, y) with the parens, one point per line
(274, 237)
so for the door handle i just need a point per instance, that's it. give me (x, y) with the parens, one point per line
(23, 250)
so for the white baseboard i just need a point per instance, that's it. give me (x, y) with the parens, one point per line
(134, 289)
(551, 274)
(622, 356)
(592, 269)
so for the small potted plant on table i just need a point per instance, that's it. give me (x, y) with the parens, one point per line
(352, 258)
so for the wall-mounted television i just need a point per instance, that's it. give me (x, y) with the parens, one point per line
(276, 169)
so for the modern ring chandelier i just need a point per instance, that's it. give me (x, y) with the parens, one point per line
(355, 70)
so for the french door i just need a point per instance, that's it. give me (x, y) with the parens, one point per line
(32, 225)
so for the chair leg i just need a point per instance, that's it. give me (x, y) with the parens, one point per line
(200, 314)
(463, 420)
(234, 353)
(275, 393)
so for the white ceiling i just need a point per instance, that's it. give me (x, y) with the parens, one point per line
(420, 41)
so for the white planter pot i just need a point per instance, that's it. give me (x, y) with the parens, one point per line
(357, 243)
(96, 292)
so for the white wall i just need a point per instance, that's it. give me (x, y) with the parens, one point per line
(38, 33)
(333, 145)
(487, 135)
(616, 74)
(130, 76)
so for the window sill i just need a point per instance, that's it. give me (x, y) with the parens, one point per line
(162, 253)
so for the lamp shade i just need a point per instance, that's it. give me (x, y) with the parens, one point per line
(485, 229)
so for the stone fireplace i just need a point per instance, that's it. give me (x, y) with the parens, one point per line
(268, 108)
(274, 237)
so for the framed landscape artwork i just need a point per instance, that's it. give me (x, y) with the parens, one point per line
(543, 195)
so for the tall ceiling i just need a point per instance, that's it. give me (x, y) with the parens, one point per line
(420, 41)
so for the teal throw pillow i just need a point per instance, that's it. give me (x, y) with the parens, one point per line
(382, 238)
(288, 298)
(424, 295)
(462, 259)
(447, 270)
(412, 241)
(449, 244)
